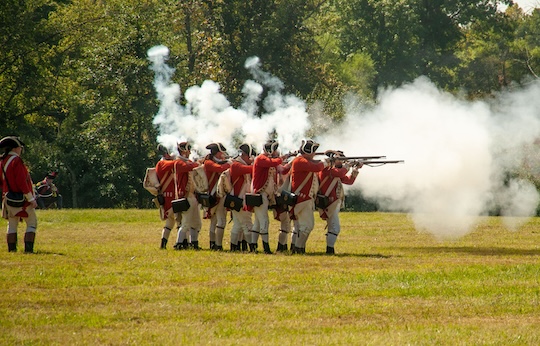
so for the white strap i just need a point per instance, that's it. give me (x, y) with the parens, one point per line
(310, 174)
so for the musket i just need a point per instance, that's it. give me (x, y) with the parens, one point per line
(375, 162)
(349, 158)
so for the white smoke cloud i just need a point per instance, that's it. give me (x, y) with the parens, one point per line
(459, 155)
(209, 117)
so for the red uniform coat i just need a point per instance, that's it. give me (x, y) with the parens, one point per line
(261, 166)
(238, 171)
(164, 170)
(327, 175)
(300, 169)
(213, 170)
(19, 179)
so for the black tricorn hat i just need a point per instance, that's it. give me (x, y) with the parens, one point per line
(247, 149)
(215, 148)
(309, 146)
(183, 146)
(52, 175)
(11, 142)
(270, 146)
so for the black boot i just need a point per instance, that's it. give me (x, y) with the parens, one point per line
(12, 242)
(299, 250)
(252, 247)
(281, 247)
(212, 245)
(218, 247)
(293, 248)
(266, 247)
(29, 238)
(185, 244)
(195, 245)
(244, 245)
(330, 250)
(163, 243)
(234, 247)
(29, 247)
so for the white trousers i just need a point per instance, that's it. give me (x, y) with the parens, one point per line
(242, 226)
(262, 221)
(305, 221)
(191, 221)
(332, 223)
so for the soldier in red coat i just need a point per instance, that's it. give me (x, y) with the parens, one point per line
(331, 185)
(214, 164)
(241, 171)
(191, 218)
(264, 183)
(304, 183)
(16, 179)
(165, 170)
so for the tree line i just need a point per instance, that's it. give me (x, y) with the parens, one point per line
(75, 82)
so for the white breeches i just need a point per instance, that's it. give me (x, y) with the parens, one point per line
(262, 221)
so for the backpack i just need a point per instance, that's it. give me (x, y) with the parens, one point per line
(224, 184)
(200, 181)
(151, 181)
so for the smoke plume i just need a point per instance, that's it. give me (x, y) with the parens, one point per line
(462, 158)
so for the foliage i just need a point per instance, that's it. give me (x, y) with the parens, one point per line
(75, 83)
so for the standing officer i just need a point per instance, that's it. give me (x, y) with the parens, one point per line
(17, 181)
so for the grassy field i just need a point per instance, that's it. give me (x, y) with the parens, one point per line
(99, 278)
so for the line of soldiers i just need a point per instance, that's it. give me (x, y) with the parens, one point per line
(263, 177)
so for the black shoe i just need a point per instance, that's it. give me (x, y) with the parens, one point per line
(330, 250)
(234, 247)
(281, 247)
(252, 247)
(212, 245)
(12, 247)
(293, 248)
(178, 246)
(266, 248)
(244, 245)
(195, 245)
(163, 243)
(218, 248)
(29, 247)
(299, 250)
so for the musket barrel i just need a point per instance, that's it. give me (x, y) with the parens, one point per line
(360, 158)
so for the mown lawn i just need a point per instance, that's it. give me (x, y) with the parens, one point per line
(99, 277)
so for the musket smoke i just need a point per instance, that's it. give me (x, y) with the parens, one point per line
(209, 117)
(460, 156)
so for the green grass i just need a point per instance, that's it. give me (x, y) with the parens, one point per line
(99, 277)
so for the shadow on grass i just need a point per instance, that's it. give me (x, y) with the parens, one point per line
(360, 255)
(41, 252)
(480, 251)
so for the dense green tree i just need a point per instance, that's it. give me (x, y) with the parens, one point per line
(409, 38)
